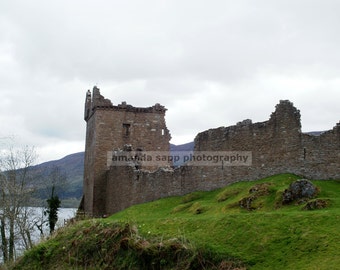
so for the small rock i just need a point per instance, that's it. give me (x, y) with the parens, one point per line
(298, 190)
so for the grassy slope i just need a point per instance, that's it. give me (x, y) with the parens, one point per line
(270, 237)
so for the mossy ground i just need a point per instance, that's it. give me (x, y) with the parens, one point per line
(204, 229)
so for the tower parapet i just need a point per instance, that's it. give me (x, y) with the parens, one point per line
(97, 101)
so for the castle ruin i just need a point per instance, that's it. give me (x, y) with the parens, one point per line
(112, 127)
(276, 146)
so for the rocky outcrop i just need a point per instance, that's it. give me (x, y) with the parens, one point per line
(299, 190)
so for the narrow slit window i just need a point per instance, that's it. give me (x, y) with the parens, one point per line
(126, 130)
(163, 131)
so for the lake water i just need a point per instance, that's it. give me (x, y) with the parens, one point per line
(64, 214)
(36, 213)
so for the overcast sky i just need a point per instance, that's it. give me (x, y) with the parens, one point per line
(211, 63)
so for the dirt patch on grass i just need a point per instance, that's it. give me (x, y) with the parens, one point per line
(255, 192)
(316, 204)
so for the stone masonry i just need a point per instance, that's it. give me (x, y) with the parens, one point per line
(277, 146)
(111, 128)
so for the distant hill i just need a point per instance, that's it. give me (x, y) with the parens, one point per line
(73, 167)
(314, 133)
(182, 147)
(180, 151)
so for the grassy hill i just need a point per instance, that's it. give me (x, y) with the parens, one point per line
(204, 230)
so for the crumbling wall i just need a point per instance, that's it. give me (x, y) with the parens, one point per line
(320, 155)
(277, 146)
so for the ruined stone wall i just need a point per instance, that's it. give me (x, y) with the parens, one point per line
(320, 155)
(277, 146)
(127, 186)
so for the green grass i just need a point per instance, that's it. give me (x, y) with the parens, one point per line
(214, 226)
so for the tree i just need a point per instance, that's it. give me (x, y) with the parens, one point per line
(57, 180)
(16, 189)
(52, 210)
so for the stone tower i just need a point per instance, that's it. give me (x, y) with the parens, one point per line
(112, 127)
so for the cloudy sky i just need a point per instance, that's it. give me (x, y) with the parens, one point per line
(211, 63)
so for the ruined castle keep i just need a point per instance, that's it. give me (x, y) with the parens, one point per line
(112, 127)
(276, 146)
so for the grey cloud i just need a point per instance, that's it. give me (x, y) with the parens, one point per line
(210, 63)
